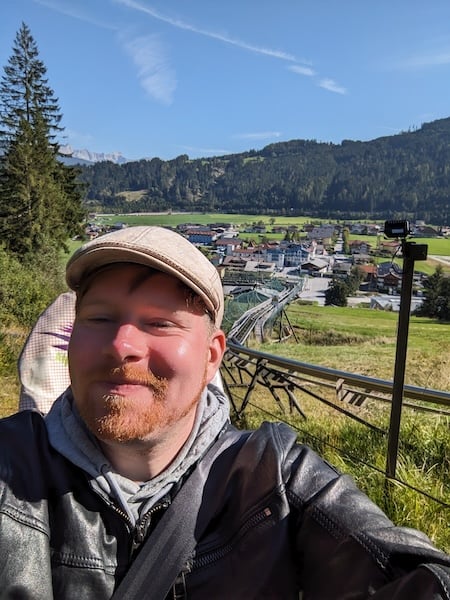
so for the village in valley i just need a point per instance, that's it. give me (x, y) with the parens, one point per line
(248, 257)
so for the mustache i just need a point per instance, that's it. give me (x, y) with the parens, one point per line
(137, 375)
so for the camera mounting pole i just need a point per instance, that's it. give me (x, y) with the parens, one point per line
(411, 252)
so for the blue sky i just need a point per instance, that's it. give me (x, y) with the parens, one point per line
(208, 77)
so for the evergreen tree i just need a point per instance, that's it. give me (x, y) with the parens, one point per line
(336, 293)
(24, 90)
(436, 303)
(40, 199)
(353, 281)
(444, 301)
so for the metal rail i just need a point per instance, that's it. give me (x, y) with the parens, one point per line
(255, 319)
(370, 384)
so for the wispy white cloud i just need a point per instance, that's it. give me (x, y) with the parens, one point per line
(158, 78)
(151, 12)
(425, 60)
(262, 135)
(332, 86)
(147, 53)
(300, 67)
(219, 151)
(155, 74)
(302, 70)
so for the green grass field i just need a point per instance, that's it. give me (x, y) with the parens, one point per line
(436, 246)
(363, 341)
(173, 219)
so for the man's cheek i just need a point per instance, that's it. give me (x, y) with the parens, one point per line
(180, 357)
(183, 350)
(82, 352)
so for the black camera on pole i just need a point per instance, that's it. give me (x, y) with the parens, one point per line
(397, 229)
(401, 230)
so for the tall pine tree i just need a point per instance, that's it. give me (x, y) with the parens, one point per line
(40, 199)
(436, 303)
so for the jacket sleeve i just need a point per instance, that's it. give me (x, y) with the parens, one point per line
(346, 546)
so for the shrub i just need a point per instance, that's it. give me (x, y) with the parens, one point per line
(26, 289)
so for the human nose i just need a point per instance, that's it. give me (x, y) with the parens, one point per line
(127, 344)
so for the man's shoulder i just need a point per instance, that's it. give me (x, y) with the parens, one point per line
(274, 439)
(25, 430)
(29, 465)
(278, 443)
(277, 434)
(25, 420)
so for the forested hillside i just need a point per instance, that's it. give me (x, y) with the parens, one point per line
(401, 176)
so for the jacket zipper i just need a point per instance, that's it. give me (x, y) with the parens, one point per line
(122, 513)
(215, 555)
(140, 531)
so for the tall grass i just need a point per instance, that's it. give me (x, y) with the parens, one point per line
(27, 288)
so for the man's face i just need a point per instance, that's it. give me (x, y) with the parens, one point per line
(140, 355)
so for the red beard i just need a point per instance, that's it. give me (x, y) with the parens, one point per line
(126, 418)
(121, 418)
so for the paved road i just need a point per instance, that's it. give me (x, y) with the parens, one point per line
(445, 260)
(315, 289)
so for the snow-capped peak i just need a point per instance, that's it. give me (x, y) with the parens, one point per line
(87, 155)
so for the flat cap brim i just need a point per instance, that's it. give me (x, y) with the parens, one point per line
(155, 247)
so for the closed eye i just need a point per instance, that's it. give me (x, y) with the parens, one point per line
(99, 319)
(159, 324)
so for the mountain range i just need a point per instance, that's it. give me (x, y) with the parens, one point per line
(86, 157)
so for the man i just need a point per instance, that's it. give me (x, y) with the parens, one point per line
(82, 490)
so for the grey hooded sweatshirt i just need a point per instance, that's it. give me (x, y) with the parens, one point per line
(70, 437)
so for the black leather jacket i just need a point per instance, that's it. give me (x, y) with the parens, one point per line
(281, 524)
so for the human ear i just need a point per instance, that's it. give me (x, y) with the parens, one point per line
(217, 346)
